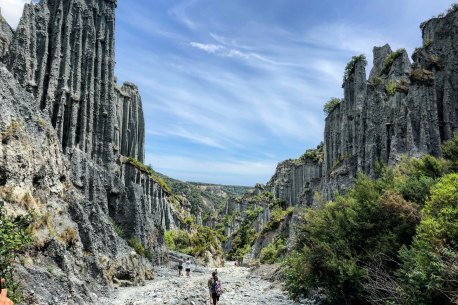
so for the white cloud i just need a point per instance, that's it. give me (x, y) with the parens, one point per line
(12, 10)
(210, 48)
(225, 172)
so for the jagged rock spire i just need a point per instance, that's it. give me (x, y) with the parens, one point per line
(63, 52)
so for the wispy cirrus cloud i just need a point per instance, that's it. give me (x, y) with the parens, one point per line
(230, 88)
(209, 48)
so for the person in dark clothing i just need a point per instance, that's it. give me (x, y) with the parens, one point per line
(215, 296)
(180, 266)
(209, 284)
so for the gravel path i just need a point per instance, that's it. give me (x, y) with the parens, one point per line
(168, 289)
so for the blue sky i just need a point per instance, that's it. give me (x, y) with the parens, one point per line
(232, 87)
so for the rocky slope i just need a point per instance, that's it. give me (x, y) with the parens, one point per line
(404, 108)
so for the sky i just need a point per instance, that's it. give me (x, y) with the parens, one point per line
(232, 87)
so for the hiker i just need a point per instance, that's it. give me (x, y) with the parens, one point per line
(3, 295)
(188, 266)
(180, 266)
(210, 283)
(216, 289)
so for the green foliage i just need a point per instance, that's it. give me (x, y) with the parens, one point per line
(417, 176)
(450, 149)
(149, 170)
(118, 228)
(368, 246)
(242, 239)
(178, 240)
(421, 75)
(14, 239)
(316, 155)
(206, 239)
(369, 221)
(330, 105)
(391, 87)
(390, 59)
(273, 251)
(202, 239)
(135, 243)
(350, 68)
(430, 265)
(276, 217)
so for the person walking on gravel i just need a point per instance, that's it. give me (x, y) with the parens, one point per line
(180, 266)
(210, 283)
(188, 266)
(216, 289)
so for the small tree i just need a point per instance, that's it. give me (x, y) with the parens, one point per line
(330, 105)
(14, 238)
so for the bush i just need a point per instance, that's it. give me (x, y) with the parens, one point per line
(135, 243)
(333, 240)
(273, 251)
(390, 59)
(330, 105)
(391, 87)
(148, 170)
(316, 155)
(429, 266)
(178, 240)
(14, 239)
(350, 68)
(450, 149)
(421, 76)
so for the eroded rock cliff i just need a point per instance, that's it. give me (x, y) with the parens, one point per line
(404, 108)
(59, 67)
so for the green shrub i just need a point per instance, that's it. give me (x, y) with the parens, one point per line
(391, 87)
(135, 243)
(117, 227)
(421, 75)
(429, 266)
(178, 240)
(315, 155)
(14, 239)
(273, 251)
(333, 240)
(450, 149)
(330, 105)
(390, 59)
(149, 170)
(350, 68)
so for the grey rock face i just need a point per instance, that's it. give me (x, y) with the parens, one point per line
(62, 55)
(130, 128)
(403, 108)
(294, 181)
(32, 164)
(6, 35)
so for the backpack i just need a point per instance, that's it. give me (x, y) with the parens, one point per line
(218, 288)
